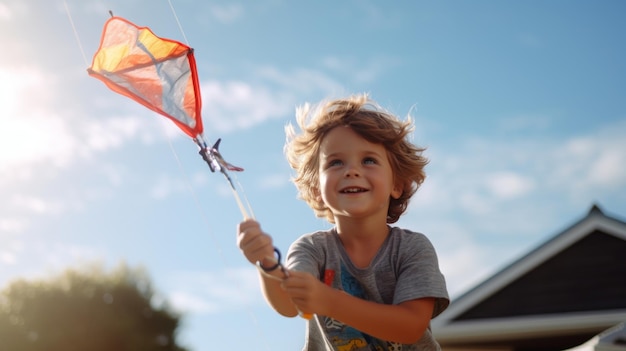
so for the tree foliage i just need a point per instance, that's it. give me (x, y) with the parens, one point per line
(87, 309)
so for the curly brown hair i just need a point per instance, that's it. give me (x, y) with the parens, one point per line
(371, 122)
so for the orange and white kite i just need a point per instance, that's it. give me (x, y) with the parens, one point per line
(160, 74)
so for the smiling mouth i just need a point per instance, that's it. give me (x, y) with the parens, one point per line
(354, 190)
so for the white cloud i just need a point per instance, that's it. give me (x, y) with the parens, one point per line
(26, 131)
(10, 249)
(5, 12)
(591, 161)
(472, 201)
(274, 181)
(507, 185)
(41, 144)
(166, 185)
(187, 302)
(33, 138)
(473, 195)
(11, 225)
(462, 260)
(236, 104)
(7, 257)
(35, 135)
(481, 175)
(112, 132)
(208, 292)
(37, 205)
(61, 254)
(608, 168)
(305, 82)
(37, 259)
(458, 236)
(463, 267)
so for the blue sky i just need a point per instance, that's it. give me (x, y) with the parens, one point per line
(522, 105)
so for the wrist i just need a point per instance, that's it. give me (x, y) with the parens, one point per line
(271, 266)
(331, 300)
(266, 267)
(275, 273)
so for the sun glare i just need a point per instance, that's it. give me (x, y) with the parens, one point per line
(23, 132)
(5, 12)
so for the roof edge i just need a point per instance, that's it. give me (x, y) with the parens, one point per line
(537, 325)
(595, 219)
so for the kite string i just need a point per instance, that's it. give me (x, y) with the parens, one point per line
(245, 197)
(244, 213)
(247, 214)
(80, 46)
(203, 212)
(193, 193)
(241, 207)
(180, 27)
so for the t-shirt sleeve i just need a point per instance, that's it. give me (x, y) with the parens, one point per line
(303, 256)
(419, 275)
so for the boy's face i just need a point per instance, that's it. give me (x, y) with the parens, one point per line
(356, 178)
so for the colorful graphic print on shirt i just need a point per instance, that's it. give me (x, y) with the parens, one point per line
(344, 337)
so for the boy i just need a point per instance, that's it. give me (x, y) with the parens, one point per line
(370, 286)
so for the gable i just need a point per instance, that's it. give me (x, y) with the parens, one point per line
(564, 292)
(586, 276)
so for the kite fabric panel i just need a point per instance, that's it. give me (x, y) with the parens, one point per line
(155, 72)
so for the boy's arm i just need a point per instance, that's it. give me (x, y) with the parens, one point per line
(274, 294)
(257, 247)
(404, 323)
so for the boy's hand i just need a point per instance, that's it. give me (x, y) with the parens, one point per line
(310, 295)
(254, 243)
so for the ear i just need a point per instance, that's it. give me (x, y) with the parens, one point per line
(396, 191)
(318, 195)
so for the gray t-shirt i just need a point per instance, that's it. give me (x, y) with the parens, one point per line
(405, 268)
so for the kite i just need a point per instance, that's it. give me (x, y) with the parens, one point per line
(161, 75)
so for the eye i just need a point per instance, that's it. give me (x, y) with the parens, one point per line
(370, 161)
(335, 162)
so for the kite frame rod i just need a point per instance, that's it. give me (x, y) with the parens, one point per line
(143, 65)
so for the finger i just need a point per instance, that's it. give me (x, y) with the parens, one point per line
(303, 308)
(247, 234)
(257, 248)
(296, 289)
(253, 240)
(247, 224)
(296, 279)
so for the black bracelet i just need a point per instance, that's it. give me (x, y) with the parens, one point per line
(267, 270)
(272, 268)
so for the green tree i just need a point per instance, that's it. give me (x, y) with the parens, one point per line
(87, 310)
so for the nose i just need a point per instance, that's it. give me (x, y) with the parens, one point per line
(352, 172)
